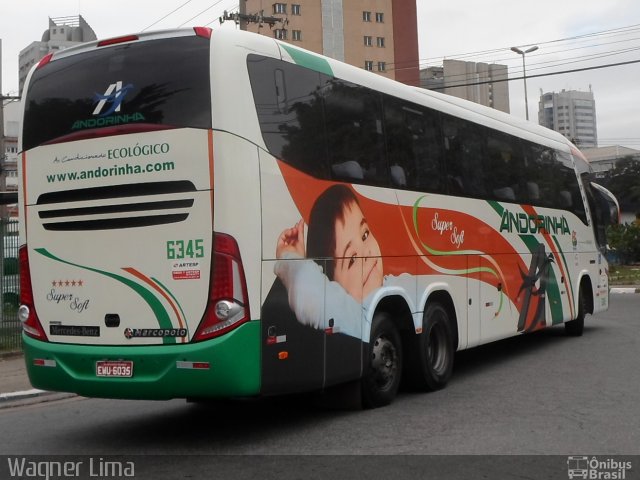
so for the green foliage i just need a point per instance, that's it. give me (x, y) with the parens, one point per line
(624, 241)
(623, 181)
(624, 275)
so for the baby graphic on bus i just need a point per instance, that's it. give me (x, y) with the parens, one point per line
(332, 280)
(341, 240)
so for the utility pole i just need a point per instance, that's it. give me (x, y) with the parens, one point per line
(242, 19)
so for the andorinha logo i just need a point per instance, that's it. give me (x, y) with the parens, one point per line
(108, 107)
(525, 223)
(114, 95)
(597, 469)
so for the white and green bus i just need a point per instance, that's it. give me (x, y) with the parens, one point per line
(224, 214)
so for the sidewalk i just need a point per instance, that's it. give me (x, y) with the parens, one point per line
(15, 389)
(14, 383)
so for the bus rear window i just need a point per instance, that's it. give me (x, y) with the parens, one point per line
(156, 83)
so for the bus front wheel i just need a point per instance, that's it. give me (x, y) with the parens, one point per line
(383, 368)
(575, 328)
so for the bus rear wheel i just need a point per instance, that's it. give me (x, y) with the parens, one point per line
(433, 354)
(383, 367)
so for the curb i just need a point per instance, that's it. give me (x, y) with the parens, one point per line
(34, 392)
(27, 397)
(625, 290)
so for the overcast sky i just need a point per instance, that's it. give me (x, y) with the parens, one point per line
(571, 34)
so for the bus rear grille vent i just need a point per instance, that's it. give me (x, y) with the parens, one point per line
(137, 212)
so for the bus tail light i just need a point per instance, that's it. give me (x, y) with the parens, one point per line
(204, 32)
(228, 301)
(27, 311)
(116, 40)
(44, 60)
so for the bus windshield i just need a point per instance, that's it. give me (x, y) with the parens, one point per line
(148, 83)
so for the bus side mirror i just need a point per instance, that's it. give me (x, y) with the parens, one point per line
(607, 205)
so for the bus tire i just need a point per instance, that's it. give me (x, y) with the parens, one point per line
(575, 328)
(432, 362)
(383, 363)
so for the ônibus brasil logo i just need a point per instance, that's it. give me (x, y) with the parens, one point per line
(108, 107)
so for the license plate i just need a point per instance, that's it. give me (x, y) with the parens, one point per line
(121, 368)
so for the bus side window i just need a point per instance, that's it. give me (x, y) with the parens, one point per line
(414, 146)
(402, 162)
(289, 108)
(470, 160)
(428, 151)
(503, 167)
(541, 175)
(453, 156)
(355, 141)
(570, 196)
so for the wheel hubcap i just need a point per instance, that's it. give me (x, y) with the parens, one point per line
(384, 362)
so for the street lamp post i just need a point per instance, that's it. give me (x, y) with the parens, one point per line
(524, 73)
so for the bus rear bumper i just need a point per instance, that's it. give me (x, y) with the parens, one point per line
(222, 367)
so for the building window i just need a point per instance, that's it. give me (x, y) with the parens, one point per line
(280, 33)
(382, 66)
(295, 9)
(379, 17)
(368, 65)
(296, 35)
(367, 41)
(279, 8)
(366, 16)
(380, 42)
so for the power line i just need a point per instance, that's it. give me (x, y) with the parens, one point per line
(167, 15)
(618, 30)
(462, 77)
(596, 67)
(203, 11)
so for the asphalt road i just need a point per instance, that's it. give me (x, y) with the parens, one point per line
(538, 394)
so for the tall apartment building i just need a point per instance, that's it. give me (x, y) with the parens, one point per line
(377, 35)
(63, 32)
(9, 154)
(481, 83)
(571, 113)
(8, 147)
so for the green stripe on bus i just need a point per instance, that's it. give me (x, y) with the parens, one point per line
(308, 60)
(553, 290)
(568, 281)
(161, 314)
(496, 206)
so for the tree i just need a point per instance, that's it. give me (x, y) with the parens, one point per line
(625, 241)
(623, 181)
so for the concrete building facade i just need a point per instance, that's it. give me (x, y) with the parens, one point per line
(603, 159)
(63, 32)
(481, 83)
(571, 113)
(377, 35)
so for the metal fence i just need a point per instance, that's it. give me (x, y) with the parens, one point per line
(10, 328)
